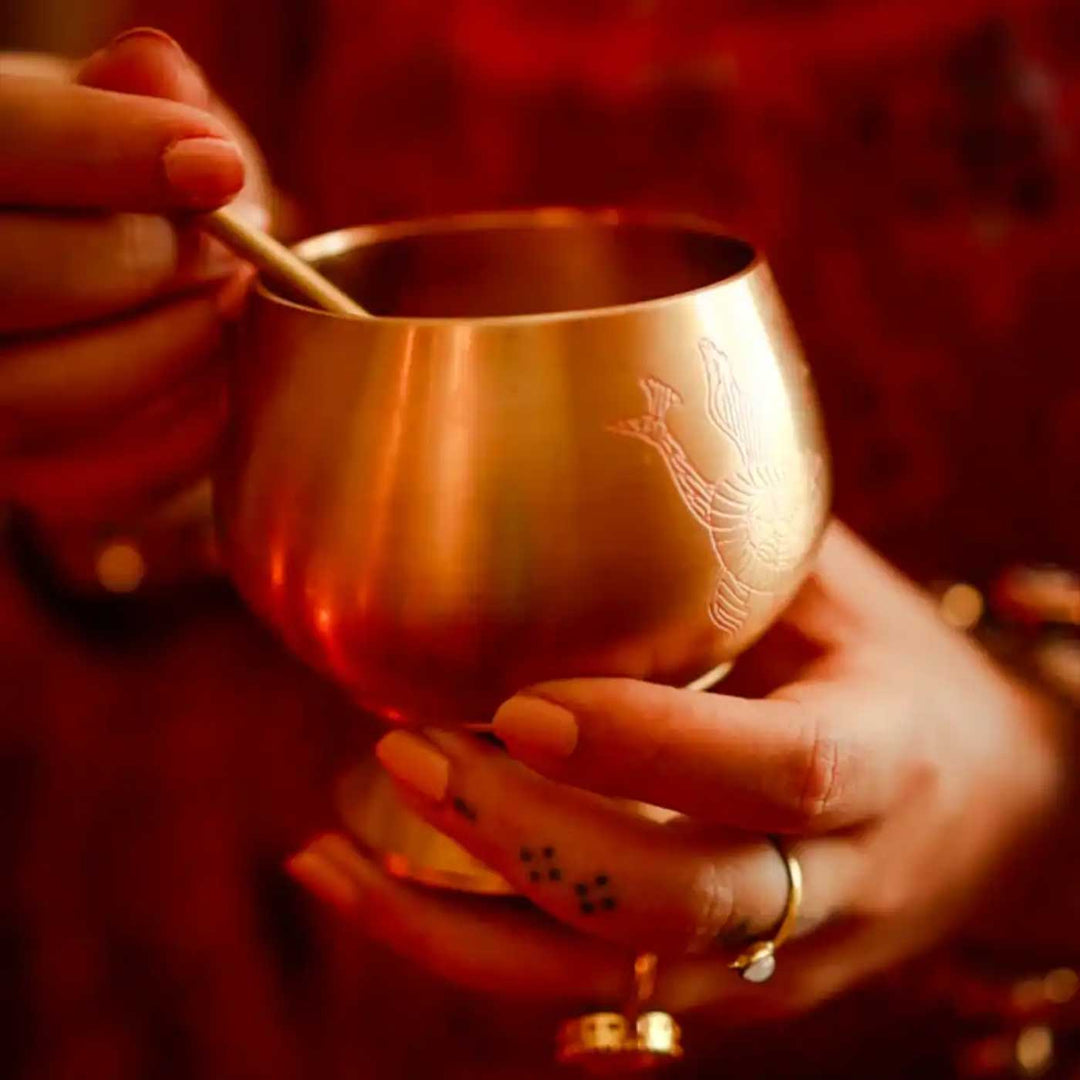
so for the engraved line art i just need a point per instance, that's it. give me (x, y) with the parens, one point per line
(759, 517)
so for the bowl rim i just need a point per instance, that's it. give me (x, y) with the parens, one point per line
(336, 241)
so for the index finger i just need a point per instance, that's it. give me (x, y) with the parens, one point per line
(808, 761)
(68, 146)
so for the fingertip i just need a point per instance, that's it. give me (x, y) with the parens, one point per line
(203, 171)
(323, 876)
(416, 763)
(531, 724)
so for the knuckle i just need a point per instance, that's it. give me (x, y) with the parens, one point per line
(711, 903)
(812, 779)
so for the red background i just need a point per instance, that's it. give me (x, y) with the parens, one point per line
(910, 168)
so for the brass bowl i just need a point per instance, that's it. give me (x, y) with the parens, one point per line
(571, 443)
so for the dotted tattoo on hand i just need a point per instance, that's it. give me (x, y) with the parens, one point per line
(595, 896)
(543, 864)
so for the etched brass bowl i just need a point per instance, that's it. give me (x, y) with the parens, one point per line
(571, 443)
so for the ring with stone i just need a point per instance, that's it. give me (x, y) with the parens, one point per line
(757, 963)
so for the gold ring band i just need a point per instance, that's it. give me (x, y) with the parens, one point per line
(757, 963)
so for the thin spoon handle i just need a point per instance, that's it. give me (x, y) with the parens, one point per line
(279, 263)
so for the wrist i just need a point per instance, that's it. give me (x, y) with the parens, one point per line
(1031, 630)
(1028, 907)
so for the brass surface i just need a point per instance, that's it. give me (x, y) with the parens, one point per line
(567, 443)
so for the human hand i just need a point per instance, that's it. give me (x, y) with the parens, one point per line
(901, 766)
(111, 306)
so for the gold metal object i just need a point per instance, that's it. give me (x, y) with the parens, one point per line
(645, 966)
(567, 444)
(611, 1043)
(757, 964)
(278, 262)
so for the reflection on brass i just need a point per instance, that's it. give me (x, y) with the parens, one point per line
(435, 505)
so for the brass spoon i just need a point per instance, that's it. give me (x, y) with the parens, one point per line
(279, 263)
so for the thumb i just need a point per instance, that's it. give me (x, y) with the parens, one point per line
(147, 62)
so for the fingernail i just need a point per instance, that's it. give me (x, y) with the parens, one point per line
(531, 723)
(204, 170)
(415, 763)
(148, 32)
(322, 877)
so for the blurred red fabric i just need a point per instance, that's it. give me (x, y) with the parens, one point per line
(911, 170)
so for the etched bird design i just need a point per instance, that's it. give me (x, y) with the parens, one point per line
(761, 516)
